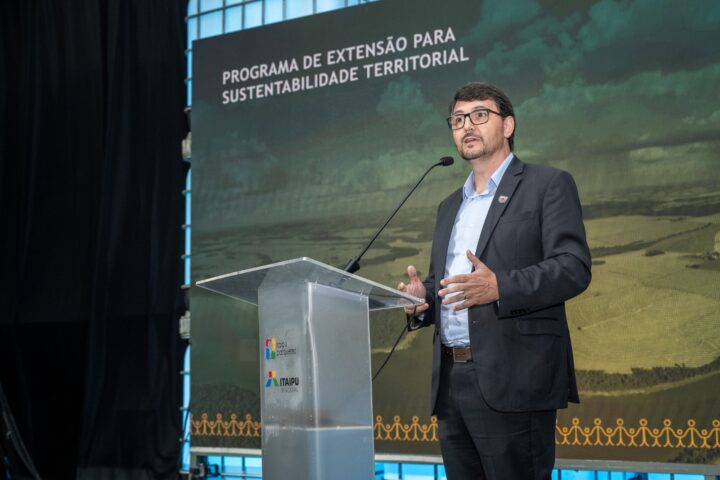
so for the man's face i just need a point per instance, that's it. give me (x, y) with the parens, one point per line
(478, 141)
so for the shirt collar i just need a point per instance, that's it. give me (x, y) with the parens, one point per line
(469, 186)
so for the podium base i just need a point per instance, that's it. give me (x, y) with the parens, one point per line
(326, 453)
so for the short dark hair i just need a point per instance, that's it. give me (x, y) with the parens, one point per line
(486, 91)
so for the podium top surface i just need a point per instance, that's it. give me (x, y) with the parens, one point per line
(244, 285)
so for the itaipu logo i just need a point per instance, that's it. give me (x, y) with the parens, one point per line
(287, 383)
(270, 348)
(272, 379)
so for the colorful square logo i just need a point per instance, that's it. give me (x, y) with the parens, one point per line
(270, 348)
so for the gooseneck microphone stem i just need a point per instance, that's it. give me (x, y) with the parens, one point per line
(354, 264)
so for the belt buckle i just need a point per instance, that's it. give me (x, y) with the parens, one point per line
(460, 357)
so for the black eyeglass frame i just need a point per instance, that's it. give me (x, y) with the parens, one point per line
(466, 116)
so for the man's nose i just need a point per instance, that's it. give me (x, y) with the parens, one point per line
(468, 126)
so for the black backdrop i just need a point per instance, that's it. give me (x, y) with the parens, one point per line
(91, 120)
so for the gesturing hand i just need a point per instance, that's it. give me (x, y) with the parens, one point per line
(416, 288)
(476, 288)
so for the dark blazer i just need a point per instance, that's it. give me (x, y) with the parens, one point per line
(534, 241)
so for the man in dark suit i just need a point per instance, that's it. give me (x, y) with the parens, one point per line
(508, 250)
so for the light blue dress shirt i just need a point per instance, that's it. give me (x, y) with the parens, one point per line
(465, 236)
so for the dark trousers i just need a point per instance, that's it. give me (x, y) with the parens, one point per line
(480, 443)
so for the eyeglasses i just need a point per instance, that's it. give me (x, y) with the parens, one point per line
(477, 117)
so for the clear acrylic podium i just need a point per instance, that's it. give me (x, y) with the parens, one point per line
(316, 391)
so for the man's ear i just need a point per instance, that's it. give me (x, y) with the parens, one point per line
(508, 126)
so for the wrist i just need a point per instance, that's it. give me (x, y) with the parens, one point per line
(495, 290)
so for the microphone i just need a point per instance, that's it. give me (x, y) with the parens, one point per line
(354, 264)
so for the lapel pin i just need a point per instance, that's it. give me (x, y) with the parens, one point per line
(502, 199)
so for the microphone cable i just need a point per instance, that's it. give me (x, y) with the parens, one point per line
(354, 264)
(406, 328)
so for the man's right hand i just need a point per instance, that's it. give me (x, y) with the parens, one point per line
(416, 288)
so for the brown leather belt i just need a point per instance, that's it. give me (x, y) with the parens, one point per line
(458, 354)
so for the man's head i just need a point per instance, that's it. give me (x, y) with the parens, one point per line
(482, 120)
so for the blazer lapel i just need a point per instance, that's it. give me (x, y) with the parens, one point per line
(446, 220)
(503, 196)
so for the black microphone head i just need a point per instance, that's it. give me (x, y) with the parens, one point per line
(446, 161)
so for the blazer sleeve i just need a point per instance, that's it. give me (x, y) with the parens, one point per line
(564, 271)
(426, 318)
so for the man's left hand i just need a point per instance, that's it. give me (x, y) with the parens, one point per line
(476, 288)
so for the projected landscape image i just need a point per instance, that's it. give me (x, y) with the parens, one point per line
(633, 115)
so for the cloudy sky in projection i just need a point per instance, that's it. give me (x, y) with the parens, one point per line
(633, 81)
(623, 94)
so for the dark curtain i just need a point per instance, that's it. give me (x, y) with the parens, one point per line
(91, 175)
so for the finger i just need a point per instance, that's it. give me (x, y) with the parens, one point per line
(477, 263)
(463, 305)
(416, 310)
(455, 287)
(421, 308)
(454, 279)
(412, 273)
(401, 286)
(454, 299)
